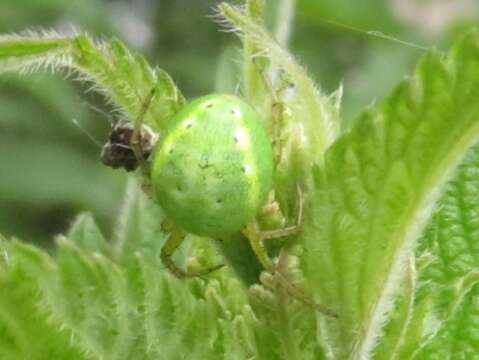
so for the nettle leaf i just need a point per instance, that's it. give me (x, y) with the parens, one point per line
(125, 78)
(378, 188)
(444, 321)
(86, 235)
(138, 226)
(314, 113)
(122, 313)
(25, 330)
(136, 309)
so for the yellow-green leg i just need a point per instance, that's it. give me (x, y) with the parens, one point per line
(277, 110)
(256, 238)
(175, 239)
(294, 229)
(295, 291)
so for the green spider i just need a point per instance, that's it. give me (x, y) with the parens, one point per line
(211, 171)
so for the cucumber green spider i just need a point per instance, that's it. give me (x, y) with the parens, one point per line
(211, 171)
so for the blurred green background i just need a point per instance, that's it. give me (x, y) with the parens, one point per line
(50, 169)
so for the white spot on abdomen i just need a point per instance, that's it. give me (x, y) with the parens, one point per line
(241, 137)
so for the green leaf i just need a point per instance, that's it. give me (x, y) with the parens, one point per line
(138, 226)
(443, 322)
(378, 188)
(86, 235)
(25, 330)
(312, 111)
(226, 80)
(135, 309)
(140, 311)
(123, 77)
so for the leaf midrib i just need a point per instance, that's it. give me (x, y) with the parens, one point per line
(436, 182)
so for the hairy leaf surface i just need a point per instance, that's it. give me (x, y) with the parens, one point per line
(443, 321)
(136, 309)
(125, 78)
(378, 188)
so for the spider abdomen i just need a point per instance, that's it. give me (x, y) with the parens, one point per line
(213, 167)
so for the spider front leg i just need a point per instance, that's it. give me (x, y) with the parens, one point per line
(176, 238)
